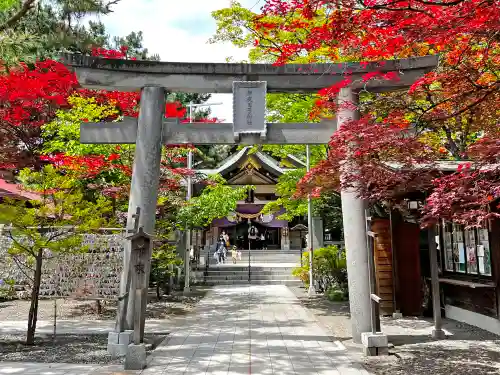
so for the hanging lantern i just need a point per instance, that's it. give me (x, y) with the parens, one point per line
(232, 217)
(267, 218)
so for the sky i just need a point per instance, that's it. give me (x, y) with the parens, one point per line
(179, 31)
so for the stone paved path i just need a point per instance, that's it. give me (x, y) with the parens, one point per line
(251, 330)
(243, 330)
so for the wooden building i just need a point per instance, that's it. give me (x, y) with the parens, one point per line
(468, 262)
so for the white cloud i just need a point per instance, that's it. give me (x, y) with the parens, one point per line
(178, 31)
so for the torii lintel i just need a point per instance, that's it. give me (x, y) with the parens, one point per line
(125, 132)
(248, 127)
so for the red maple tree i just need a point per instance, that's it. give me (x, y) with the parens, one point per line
(451, 112)
(29, 98)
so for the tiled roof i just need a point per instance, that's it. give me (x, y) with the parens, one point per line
(234, 158)
(15, 191)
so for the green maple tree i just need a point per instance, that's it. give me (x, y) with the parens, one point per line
(52, 225)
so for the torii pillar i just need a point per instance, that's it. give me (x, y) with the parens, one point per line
(353, 217)
(145, 181)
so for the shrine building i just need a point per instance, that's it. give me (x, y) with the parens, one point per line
(262, 172)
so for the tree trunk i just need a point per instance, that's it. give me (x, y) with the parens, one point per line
(33, 312)
(99, 307)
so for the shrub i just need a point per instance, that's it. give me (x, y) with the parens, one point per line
(336, 295)
(7, 290)
(329, 269)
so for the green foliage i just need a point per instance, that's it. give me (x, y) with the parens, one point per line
(31, 29)
(52, 224)
(62, 204)
(285, 188)
(329, 207)
(164, 257)
(290, 107)
(234, 24)
(336, 295)
(56, 221)
(134, 43)
(7, 4)
(212, 155)
(329, 268)
(46, 28)
(7, 290)
(63, 134)
(216, 201)
(18, 47)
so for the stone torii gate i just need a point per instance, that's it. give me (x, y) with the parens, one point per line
(249, 83)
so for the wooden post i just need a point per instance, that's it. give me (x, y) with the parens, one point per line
(123, 298)
(372, 280)
(437, 332)
(140, 244)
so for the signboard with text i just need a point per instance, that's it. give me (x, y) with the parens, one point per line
(249, 106)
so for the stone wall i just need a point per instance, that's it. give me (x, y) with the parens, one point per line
(93, 274)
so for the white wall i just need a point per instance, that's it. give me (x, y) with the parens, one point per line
(474, 319)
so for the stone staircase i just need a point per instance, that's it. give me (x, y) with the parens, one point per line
(265, 267)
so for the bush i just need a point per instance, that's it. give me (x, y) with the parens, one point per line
(164, 255)
(7, 290)
(336, 295)
(329, 269)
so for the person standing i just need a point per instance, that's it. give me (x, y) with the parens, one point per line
(220, 249)
(252, 236)
(263, 242)
(225, 236)
(234, 254)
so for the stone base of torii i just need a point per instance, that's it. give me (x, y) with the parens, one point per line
(150, 131)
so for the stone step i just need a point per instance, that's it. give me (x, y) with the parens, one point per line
(252, 277)
(252, 269)
(295, 282)
(270, 252)
(256, 273)
(264, 252)
(244, 265)
(261, 263)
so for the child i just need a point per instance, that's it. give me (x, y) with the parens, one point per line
(234, 254)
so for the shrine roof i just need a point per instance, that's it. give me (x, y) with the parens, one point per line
(296, 161)
(226, 165)
(129, 75)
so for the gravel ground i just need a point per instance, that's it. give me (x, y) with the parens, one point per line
(81, 348)
(78, 349)
(70, 309)
(468, 350)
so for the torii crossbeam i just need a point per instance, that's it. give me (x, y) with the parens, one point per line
(248, 127)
